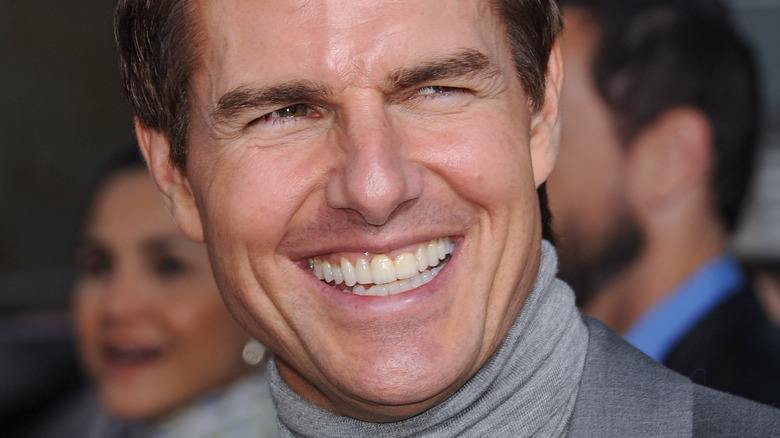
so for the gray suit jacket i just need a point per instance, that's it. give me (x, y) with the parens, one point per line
(626, 394)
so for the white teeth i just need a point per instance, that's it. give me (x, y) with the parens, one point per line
(338, 278)
(362, 272)
(327, 272)
(383, 275)
(405, 266)
(317, 264)
(348, 272)
(443, 249)
(421, 257)
(383, 269)
(378, 290)
(433, 253)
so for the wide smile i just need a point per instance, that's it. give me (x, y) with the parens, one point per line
(382, 275)
(122, 357)
(131, 356)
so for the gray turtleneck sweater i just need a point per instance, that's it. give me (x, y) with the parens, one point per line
(556, 374)
(528, 387)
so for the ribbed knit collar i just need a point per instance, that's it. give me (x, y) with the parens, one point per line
(528, 387)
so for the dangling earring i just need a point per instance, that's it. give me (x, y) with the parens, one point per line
(253, 352)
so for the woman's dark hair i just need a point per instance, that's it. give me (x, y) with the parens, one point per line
(126, 159)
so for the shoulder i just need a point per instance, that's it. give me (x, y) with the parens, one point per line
(717, 414)
(733, 349)
(625, 393)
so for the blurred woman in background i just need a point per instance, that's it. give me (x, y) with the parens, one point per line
(162, 350)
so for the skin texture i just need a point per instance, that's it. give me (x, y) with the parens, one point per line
(405, 122)
(147, 289)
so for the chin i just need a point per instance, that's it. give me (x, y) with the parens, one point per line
(416, 373)
(132, 404)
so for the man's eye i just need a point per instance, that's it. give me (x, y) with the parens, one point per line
(437, 89)
(297, 110)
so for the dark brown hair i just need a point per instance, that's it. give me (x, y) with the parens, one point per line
(157, 56)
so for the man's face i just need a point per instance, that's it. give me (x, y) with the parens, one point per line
(390, 142)
(597, 234)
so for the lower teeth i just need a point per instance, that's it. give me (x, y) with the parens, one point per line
(399, 286)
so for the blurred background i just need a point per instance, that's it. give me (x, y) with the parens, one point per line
(62, 113)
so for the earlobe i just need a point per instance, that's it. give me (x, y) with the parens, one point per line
(545, 124)
(172, 183)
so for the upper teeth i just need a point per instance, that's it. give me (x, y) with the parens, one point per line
(389, 276)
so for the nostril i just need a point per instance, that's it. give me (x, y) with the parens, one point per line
(376, 191)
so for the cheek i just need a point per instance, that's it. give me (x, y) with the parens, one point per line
(488, 167)
(87, 315)
(254, 199)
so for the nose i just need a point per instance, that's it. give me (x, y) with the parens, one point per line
(123, 297)
(376, 175)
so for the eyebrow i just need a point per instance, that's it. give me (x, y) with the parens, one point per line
(467, 63)
(244, 98)
(165, 242)
(87, 242)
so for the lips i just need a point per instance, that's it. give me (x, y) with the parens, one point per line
(130, 356)
(381, 275)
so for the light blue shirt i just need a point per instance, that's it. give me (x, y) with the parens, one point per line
(660, 329)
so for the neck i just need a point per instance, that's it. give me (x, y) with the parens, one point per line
(674, 250)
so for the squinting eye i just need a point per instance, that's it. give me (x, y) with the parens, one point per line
(436, 89)
(297, 110)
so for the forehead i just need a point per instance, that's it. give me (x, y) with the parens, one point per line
(351, 42)
(128, 205)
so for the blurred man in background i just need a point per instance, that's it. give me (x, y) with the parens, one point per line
(660, 118)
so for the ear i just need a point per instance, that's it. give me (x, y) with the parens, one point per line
(170, 180)
(671, 159)
(545, 124)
